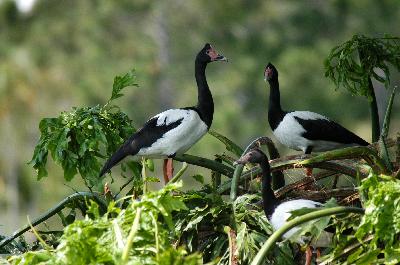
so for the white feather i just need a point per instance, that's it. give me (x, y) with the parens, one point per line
(282, 213)
(179, 139)
(289, 133)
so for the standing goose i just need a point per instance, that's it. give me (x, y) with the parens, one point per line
(278, 213)
(173, 131)
(304, 130)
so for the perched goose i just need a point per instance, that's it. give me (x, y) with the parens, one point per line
(304, 130)
(173, 131)
(278, 213)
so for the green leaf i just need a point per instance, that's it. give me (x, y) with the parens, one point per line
(135, 167)
(150, 164)
(69, 165)
(152, 179)
(199, 178)
(229, 144)
(120, 82)
(314, 228)
(179, 256)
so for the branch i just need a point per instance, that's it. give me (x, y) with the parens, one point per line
(260, 257)
(61, 205)
(319, 195)
(180, 173)
(385, 128)
(369, 155)
(303, 182)
(131, 236)
(282, 164)
(347, 250)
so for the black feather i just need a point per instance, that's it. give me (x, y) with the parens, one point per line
(327, 130)
(144, 137)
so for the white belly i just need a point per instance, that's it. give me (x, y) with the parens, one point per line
(289, 133)
(179, 139)
(282, 213)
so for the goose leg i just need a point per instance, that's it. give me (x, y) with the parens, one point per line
(318, 253)
(309, 171)
(307, 152)
(168, 169)
(308, 255)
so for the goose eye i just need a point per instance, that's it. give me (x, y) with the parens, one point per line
(207, 52)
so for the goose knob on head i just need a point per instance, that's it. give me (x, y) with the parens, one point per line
(173, 131)
(304, 130)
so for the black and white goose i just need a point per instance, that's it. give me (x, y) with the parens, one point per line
(304, 130)
(278, 213)
(173, 131)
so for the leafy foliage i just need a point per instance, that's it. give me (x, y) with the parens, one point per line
(312, 229)
(202, 227)
(78, 138)
(376, 238)
(172, 227)
(382, 215)
(343, 68)
(103, 239)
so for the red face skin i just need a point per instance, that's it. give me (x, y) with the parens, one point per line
(212, 53)
(268, 73)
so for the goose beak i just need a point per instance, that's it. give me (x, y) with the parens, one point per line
(220, 58)
(240, 161)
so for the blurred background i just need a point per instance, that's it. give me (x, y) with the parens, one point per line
(59, 54)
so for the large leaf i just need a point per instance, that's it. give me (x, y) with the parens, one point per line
(229, 144)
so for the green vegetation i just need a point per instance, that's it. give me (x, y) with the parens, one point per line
(171, 226)
(77, 138)
(63, 55)
(356, 76)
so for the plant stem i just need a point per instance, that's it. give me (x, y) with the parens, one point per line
(47, 247)
(281, 164)
(369, 155)
(235, 181)
(260, 257)
(347, 250)
(303, 182)
(180, 173)
(131, 236)
(233, 260)
(385, 129)
(61, 205)
(373, 107)
(216, 176)
(156, 234)
(144, 176)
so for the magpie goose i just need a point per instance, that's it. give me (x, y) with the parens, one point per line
(173, 131)
(278, 213)
(304, 130)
